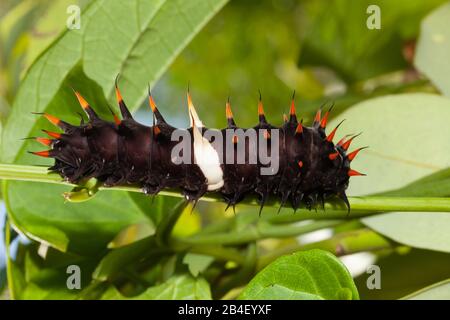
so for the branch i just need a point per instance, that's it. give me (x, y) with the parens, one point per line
(361, 206)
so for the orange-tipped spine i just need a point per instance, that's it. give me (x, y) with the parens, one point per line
(126, 114)
(229, 114)
(44, 153)
(44, 141)
(333, 133)
(55, 135)
(86, 107)
(354, 173)
(292, 112)
(353, 154)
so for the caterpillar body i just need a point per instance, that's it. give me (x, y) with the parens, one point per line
(310, 167)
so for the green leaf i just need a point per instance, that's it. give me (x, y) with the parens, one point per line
(49, 25)
(416, 229)
(314, 274)
(405, 272)
(2, 278)
(117, 259)
(132, 233)
(155, 209)
(403, 147)
(433, 185)
(84, 228)
(168, 267)
(148, 35)
(47, 281)
(197, 263)
(336, 35)
(433, 48)
(36, 278)
(180, 287)
(437, 291)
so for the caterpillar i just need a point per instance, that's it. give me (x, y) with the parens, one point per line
(305, 166)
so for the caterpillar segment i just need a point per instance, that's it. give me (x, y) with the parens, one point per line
(311, 168)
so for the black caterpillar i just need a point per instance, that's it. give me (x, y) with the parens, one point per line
(311, 167)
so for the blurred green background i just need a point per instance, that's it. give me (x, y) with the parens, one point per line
(321, 49)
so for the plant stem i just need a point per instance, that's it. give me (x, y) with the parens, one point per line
(361, 206)
(370, 205)
(29, 173)
(256, 232)
(341, 244)
(9, 263)
(241, 276)
(218, 252)
(167, 224)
